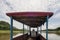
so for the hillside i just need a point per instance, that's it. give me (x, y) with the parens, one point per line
(5, 26)
(57, 29)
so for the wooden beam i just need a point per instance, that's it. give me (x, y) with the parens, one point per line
(11, 28)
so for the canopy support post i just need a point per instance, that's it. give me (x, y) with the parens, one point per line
(37, 30)
(47, 28)
(23, 29)
(30, 30)
(27, 29)
(11, 28)
(41, 30)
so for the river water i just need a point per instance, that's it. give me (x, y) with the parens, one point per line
(51, 36)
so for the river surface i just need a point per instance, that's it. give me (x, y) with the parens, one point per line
(51, 36)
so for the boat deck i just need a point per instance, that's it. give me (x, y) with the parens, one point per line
(26, 36)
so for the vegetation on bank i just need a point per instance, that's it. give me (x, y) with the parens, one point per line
(54, 31)
(57, 29)
(6, 26)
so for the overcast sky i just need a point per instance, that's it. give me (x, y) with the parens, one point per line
(31, 5)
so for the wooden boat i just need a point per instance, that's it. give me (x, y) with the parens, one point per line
(32, 19)
(26, 36)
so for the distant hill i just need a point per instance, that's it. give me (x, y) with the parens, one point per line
(57, 29)
(6, 26)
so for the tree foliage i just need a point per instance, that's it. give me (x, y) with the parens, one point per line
(6, 26)
(58, 28)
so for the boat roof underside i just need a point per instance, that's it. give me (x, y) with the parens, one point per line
(32, 19)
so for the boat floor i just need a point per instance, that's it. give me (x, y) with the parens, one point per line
(26, 37)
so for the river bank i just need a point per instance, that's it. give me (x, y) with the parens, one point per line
(52, 32)
(5, 35)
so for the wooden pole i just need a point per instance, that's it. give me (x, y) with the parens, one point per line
(23, 29)
(40, 29)
(30, 30)
(37, 30)
(47, 28)
(11, 28)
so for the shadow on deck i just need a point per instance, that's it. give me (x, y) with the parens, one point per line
(26, 36)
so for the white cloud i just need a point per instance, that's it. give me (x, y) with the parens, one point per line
(29, 5)
(57, 16)
(54, 5)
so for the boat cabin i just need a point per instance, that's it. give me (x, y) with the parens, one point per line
(33, 20)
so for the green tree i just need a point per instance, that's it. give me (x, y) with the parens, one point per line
(58, 28)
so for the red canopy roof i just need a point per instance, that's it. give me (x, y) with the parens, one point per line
(32, 19)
